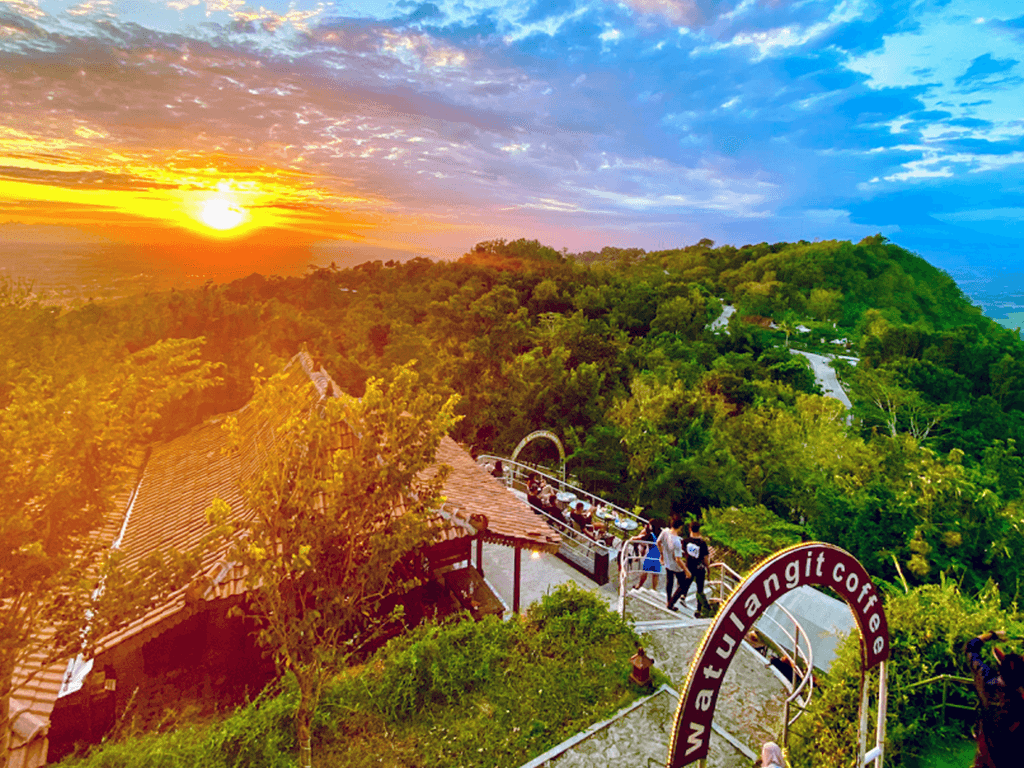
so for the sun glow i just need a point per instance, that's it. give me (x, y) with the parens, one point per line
(222, 214)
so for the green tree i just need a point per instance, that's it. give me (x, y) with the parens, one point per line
(884, 396)
(66, 441)
(343, 493)
(825, 305)
(788, 326)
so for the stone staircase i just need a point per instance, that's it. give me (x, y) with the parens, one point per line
(748, 712)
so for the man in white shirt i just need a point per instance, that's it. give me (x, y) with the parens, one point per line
(670, 545)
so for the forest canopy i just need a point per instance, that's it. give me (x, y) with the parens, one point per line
(615, 351)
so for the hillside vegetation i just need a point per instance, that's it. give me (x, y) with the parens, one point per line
(475, 695)
(613, 351)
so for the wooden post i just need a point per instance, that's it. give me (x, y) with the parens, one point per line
(515, 581)
(480, 554)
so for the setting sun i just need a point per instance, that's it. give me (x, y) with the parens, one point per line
(221, 214)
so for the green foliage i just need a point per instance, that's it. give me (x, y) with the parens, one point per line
(484, 694)
(751, 532)
(67, 438)
(928, 627)
(439, 666)
(610, 350)
(340, 496)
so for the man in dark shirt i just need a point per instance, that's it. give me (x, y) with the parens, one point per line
(1000, 731)
(695, 567)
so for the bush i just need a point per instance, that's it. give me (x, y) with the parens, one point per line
(928, 627)
(751, 533)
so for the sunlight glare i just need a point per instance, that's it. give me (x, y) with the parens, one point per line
(219, 213)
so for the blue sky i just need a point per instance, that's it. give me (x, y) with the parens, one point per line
(405, 127)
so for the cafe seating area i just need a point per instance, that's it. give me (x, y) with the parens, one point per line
(592, 529)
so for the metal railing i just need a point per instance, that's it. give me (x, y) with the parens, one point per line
(721, 587)
(946, 680)
(802, 659)
(515, 474)
(584, 551)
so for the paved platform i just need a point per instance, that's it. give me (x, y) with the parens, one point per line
(749, 710)
(541, 572)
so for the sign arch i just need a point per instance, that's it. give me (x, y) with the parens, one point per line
(548, 435)
(810, 564)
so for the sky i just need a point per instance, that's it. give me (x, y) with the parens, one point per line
(224, 133)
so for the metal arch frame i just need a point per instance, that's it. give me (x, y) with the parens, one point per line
(698, 696)
(550, 436)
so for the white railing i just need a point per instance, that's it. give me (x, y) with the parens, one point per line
(515, 474)
(802, 659)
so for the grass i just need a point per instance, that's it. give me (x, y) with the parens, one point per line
(464, 693)
(958, 754)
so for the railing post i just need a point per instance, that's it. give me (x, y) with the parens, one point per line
(601, 566)
(785, 724)
(945, 683)
(862, 731)
(883, 706)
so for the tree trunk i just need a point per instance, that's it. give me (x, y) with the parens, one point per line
(303, 726)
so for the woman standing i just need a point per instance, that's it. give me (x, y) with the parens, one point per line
(652, 558)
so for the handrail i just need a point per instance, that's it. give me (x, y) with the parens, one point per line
(945, 680)
(519, 471)
(806, 674)
(566, 531)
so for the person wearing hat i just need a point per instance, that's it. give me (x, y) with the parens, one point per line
(1001, 692)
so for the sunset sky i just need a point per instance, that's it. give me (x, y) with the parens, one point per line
(332, 128)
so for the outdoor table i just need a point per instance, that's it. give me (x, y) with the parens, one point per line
(605, 514)
(626, 524)
(565, 497)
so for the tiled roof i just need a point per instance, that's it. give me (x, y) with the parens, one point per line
(184, 475)
(510, 520)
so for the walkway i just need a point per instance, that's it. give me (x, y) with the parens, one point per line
(748, 711)
(541, 572)
(824, 374)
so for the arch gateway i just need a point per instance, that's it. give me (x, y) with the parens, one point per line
(811, 563)
(548, 435)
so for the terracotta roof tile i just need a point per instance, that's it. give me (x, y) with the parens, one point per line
(510, 520)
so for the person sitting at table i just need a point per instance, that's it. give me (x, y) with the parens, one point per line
(497, 470)
(548, 502)
(533, 488)
(580, 518)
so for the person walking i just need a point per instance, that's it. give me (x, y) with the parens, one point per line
(670, 547)
(1001, 693)
(695, 568)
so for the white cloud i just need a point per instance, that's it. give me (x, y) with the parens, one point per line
(938, 52)
(936, 164)
(681, 12)
(421, 50)
(29, 8)
(775, 41)
(90, 7)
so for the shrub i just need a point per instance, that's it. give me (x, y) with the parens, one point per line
(928, 627)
